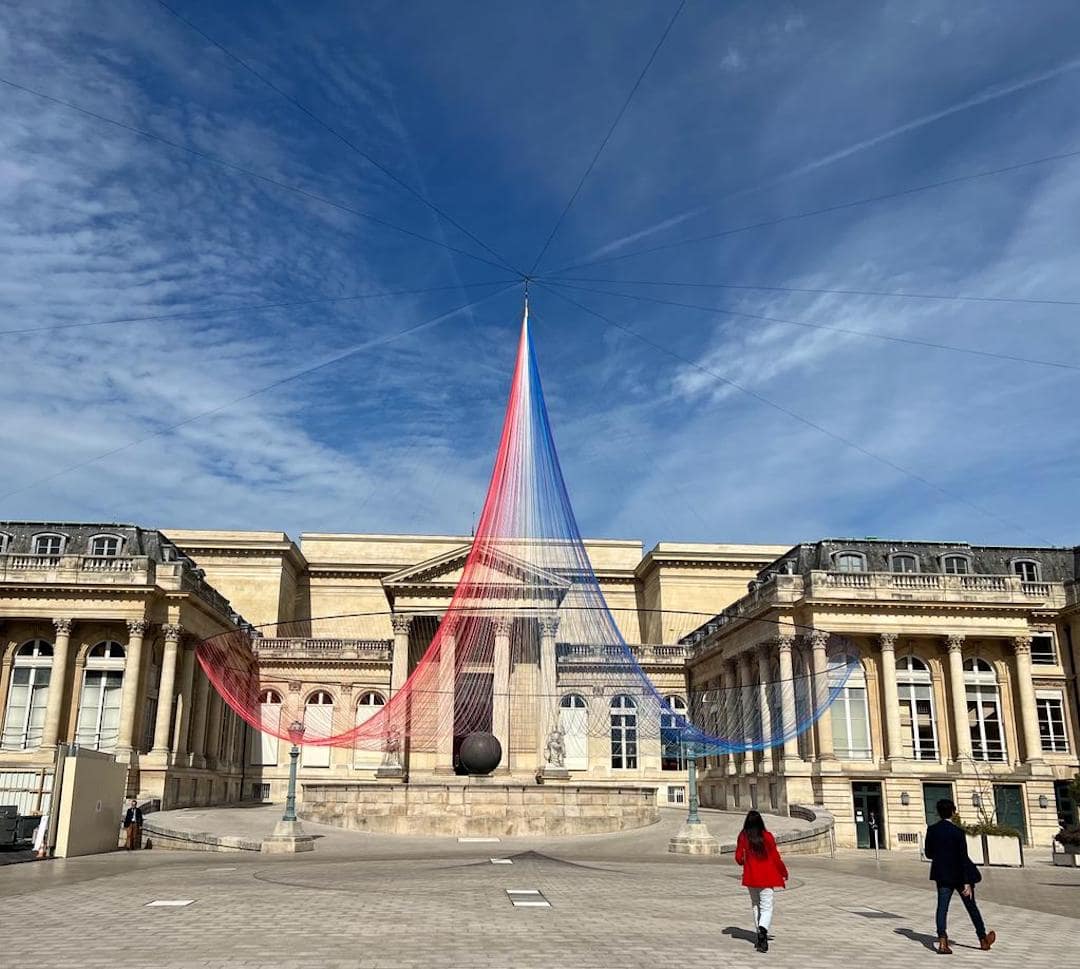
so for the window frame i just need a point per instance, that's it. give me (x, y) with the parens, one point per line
(1036, 658)
(5, 541)
(1058, 734)
(1014, 566)
(29, 656)
(623, 714)
(946, 557)
(910, 683)
(38, 536)
(669, 724)
(980, 678)
(119, 539)
(848, 695)
(852, 553)
(894, 557)
(104, 660)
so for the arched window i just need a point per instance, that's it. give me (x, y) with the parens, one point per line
(955, 564)
(903, 562)
(623, 732)
(264, 743)
(98, 725)
(318, 724)
(1027, 569)
(672, 754)
(28, 696)
(984, 710)
(48, 543)
(849, 562)
(850, 719)
(917, 721)
(105, 546)
(366, 755)
(574, 722)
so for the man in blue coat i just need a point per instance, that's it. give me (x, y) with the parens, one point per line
(953, 871)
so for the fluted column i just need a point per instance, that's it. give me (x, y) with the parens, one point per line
(213, 731)
(765, 688)
(57, 682)
(187, 690)
(1025, 685)
(958, 694)
(894, 741)
(748, 701)
(547, 704)
(784, 646)
(200, 707)
(129, 696)
(447, 680)
(732, 712)
(819, 640)
(399, 671)
(166, 687)
(500, 686)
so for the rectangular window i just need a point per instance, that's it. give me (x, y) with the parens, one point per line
(25, 720)
(918, 731)
(984, 719)
(105, 545)
(1042, 650)
(1028, 571)
(47, 545)
(851, 733)
(956, 565)
(1051, 711)
(905, 563)
(676, 795)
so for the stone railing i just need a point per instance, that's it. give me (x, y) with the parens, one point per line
(89, 569)
(377, 650)
(613, 654)
(933, 587)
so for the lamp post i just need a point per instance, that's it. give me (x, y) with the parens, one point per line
(296, 735)
(690, 755)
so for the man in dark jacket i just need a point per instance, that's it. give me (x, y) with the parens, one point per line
(133, 819)
(953, 871)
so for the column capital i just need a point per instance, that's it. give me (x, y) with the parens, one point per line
(1022, 644)
(887, 641)
(63, 626)
(173, 631)
(955, 641)
(549, 624)
(819, 638)
(503, 625)
(137, 627)
(784, 643)
(401, 622)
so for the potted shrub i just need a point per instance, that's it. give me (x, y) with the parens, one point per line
(976, 848)
(1069, 839)
(1000, 843)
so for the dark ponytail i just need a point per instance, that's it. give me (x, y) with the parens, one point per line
(754, 829)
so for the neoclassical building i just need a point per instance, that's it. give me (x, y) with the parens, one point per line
(964, 685)
(964, 665)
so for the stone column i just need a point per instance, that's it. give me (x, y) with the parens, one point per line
(187, 690)
(547, 703)
(747, 702)
(129, 696)
(399, 671)
(212, 751)
(765, 689)
(1025, 686)
(818, 642)
(445, 704)
(198, 719)
(958, 693)
(165, 691)
(7, 657)
(57, 682)
(894, 741)
(732, 713)
(784, 645)
(500, 688)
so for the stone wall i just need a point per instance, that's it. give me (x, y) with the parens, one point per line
(480, 809)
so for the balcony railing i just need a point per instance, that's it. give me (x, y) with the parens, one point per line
(380, 650)
(644, 653)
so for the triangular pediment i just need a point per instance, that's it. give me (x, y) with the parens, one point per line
(446, 570)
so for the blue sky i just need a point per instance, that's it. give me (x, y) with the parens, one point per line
(750, 112)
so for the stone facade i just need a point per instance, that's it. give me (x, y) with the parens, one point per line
(965, 685)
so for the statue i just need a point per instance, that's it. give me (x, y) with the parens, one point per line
(555, 751)
(392, 747)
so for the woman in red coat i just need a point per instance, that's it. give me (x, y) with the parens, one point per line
(763, 871)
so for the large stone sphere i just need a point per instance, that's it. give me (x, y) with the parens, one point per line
(480, 753)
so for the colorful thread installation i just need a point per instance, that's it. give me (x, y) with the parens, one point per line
(528, 601)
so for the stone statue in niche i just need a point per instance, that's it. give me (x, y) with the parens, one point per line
(555, 750)
(392, 750)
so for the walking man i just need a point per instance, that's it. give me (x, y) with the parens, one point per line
(953, 871)
(133, 826)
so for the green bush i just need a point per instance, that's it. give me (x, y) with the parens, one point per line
(1002, 830)
(1069, 837)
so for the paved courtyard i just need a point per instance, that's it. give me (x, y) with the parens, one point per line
(615, 900)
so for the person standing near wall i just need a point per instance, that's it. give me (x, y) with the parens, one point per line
(133, 819)
(763, 872)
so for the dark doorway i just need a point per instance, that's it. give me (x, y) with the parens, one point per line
(472, 709)
(869, 817)
(1009, 806)
(1065, 803)
(931, 794)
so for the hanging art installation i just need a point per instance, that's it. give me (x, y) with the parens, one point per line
(528, 602)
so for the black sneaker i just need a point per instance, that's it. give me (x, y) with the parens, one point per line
(762, 940)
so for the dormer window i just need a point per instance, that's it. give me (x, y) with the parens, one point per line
(5, 541)
(903, 562)
(1027, 569)
(849, 562)
(956, 565)
(48, 544)
(102, 546)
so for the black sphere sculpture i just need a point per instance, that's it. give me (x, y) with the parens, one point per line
(480, 753)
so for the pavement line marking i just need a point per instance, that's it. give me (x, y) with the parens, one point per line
(518, 904)
(219, 869)
(478, 840)
(501, 861)
(170, 903)
(523, 891)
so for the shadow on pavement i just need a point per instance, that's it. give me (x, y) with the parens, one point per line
(930, 941)
(744, 935)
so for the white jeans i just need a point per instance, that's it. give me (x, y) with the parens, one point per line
(761, 899)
